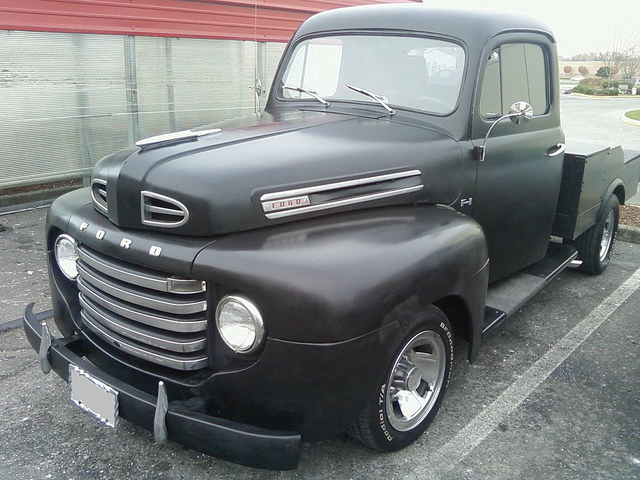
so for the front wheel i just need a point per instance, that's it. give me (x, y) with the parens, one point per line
(596, 244)
(410, 393)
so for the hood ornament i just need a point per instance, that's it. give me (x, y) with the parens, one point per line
(173, 138)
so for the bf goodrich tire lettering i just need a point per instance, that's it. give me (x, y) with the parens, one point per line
(413, 387)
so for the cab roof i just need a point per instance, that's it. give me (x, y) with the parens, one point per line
(469, 25)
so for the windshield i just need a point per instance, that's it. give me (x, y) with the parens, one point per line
(407, 72)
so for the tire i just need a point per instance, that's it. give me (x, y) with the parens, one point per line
(413, 387)
(596, 244)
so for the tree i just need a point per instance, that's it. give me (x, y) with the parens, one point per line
(622, 56)
(630, 67)
(603, 72)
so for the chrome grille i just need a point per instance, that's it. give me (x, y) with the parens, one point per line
(162, 211)
(143, 312)
(99, 195)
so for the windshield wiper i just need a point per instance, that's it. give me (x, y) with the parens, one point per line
(378, 98)
(308, 92)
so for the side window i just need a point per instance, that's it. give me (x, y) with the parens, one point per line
(491, 93)
(515, 72)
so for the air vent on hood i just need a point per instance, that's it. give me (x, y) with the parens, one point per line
(162, 211)
(99, 195)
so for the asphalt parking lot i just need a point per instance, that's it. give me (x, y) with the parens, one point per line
(554, 394)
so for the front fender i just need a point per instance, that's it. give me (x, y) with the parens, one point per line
(338, 277)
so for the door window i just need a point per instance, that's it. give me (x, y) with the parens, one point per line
(515, 72)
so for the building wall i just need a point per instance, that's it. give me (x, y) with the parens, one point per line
(68, 99)
(81, 79)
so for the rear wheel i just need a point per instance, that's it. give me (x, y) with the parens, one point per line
(596, 244)
(410, 393)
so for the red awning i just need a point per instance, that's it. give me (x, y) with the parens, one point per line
(262, 20)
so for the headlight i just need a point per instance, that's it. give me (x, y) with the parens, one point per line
(66, 256)
(239, 323)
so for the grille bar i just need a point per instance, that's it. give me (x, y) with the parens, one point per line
(137, 311)
(178, 362)
(176, 306)
(138, 277)
(154, 338)
(149, 317)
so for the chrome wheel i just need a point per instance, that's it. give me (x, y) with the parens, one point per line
(596, 243)
(416, 380)
(607, 235)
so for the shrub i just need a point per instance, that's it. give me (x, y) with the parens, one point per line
(609, 92)
(594, 83)
(584, 89)
(616, 84)
(567, 69)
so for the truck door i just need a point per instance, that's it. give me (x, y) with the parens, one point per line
(517, 184)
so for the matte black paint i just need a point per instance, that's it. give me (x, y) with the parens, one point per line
(590, 175)
(330, 285)
(221, 177)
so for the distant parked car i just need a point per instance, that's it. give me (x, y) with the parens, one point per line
(577, 78)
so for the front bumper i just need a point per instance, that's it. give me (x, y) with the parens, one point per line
(221, 438)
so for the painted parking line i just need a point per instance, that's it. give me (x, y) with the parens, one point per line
(454, 451)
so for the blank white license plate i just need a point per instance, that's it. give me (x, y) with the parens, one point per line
(93, 396)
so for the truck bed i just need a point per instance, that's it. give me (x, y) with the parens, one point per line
(588, 171)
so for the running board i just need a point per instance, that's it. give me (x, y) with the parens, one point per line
(505, 297)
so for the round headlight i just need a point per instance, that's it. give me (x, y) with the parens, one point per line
(66, 255)
(239, 323)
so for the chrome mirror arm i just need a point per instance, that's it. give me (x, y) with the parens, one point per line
(520, 112)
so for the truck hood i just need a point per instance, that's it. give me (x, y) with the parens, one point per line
(255, 173)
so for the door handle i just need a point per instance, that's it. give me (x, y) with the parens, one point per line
(556, 150)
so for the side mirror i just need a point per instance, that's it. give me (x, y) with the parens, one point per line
(519, 113)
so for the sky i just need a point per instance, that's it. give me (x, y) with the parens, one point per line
(579, 27)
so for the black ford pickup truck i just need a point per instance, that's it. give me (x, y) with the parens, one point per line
(241, 287)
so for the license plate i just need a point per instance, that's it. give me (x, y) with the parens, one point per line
(93, 396)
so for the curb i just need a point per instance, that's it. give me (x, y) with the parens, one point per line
(628, 234)
(45, 196)
(629, 121)
(601, 97)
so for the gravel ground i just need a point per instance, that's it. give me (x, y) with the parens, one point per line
(630, 215)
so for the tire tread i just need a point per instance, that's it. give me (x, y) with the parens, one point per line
(588, 244)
